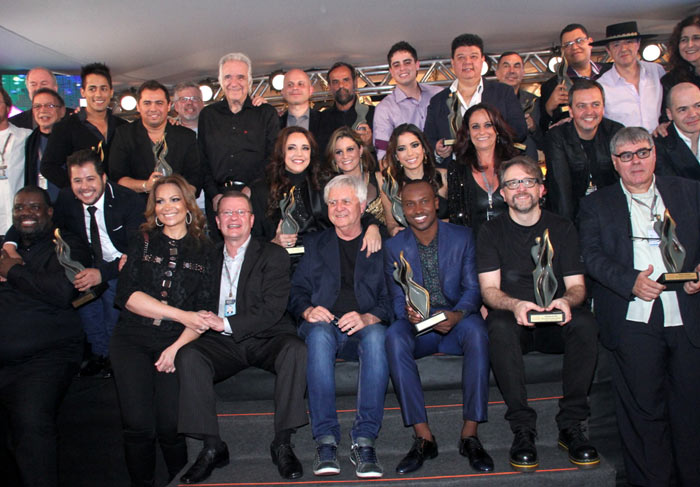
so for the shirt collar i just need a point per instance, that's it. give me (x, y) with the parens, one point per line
(239, 254)
(99, 204)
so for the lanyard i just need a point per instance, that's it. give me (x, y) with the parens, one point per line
(652, 216)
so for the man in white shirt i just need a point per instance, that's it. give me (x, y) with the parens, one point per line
(633, 91)
(12, 141)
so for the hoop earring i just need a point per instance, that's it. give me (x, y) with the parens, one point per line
(158, 223)
(188, 218)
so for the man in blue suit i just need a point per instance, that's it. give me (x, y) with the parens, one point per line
(653, 330)
(443, 258)
(339, 296)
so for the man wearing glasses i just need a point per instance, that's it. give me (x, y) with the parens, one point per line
(505, 265)
(576, 48)
(187, 103)
(653, 330)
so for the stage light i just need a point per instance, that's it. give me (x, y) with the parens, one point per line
(651, 53)
(484, 68)
(553, 62)
(277, 80)
(128, 102)
(206, 91)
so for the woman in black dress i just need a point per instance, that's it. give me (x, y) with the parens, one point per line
(165, 290)
(483, 142)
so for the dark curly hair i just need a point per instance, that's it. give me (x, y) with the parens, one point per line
(679, 65)
(504, 150)
(276, 173)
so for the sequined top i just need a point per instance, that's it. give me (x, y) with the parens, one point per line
(175, 272)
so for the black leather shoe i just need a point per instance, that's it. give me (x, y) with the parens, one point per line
(523, 454)
(420, 451)
(472, 448)
(287, 462)
(581, 452)
(207, 460)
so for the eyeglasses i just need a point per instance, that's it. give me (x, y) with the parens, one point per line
(230, 213)
(578, 42)
(39, 106)
(514, 183)
(193, 99)
(628, 155)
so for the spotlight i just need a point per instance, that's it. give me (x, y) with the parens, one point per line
(207, 92)
(277, 80)
(485, 68)
(128, 102)
(651, 53)
(553, 62)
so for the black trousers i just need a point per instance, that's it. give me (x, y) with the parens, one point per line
(148, 401)
(577, 340)
(30, 395)
(215, 357)
(656, 378)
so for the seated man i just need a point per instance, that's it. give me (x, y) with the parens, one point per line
(578, 152)
(677, 154)
(505, 266)
(442, 256)
(253, 293)
(41, 340)
(340, 297)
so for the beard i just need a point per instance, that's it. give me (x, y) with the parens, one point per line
(343, 96)
(522, 205)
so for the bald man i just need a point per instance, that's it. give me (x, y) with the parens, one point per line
(677, 154)
(297, 91)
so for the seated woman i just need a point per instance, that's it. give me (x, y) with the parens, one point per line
(409, 157)
(346, 154)
(165, 290)
(483, 142)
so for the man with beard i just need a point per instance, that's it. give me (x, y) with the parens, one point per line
(40, 338)
(347, 109)
(442, 256)
(187, 103)
(505, 265)
(132, 158)
(578, 152)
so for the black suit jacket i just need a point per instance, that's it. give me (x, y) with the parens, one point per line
(262, 293)
(499, 95)
(674, 158)
(605, 229)
(130, 153)
(123, 214)
(316, 280)
(314, 122)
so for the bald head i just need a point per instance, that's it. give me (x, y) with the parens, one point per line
(684, 108)
(297, 87)
(40, 77)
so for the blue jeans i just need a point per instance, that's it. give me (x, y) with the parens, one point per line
(98, 318)
(469, 338)
(324, 343)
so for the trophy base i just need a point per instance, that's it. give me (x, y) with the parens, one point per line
(449, 142)
(295, 250)
(560, 113)
(554, 316)
(89, 295)
(677, 277)
(423, 327)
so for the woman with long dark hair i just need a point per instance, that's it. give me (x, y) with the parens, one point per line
(684, 45)
(409, 157)
(483, 142)
(165, 291)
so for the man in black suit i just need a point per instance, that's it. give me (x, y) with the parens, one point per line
(297, 92)
(447, 108)
(253, 292)
(132, 160)
(677, 153)
(118, 212)
(653, 330)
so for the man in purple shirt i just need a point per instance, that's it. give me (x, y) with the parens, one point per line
(408, 103)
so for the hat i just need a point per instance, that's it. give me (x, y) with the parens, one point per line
(618, 32)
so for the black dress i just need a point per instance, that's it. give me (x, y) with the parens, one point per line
(468, 203)
(178, 273)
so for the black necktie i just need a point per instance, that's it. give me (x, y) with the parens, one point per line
(95, 236)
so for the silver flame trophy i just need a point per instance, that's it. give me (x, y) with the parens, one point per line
(289, 225)
(160, 150)
(391, 189)
(545, 281)
(672, 252)
(417, 297)
(71, 268)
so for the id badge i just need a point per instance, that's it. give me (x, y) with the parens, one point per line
(654, 239)
(230, 307)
